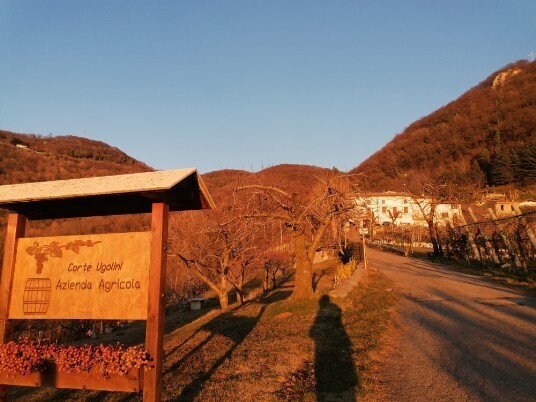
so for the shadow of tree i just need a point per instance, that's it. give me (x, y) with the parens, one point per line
(335, 372)
(235, 329)
(188, 366)
(491, 353)
(317, 275)
(457, 333)
(214, 343)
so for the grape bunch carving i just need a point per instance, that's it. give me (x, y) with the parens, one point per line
(42, 253)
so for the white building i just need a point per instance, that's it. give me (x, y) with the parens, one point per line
(391, 208)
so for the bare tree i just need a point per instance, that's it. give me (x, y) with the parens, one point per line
(217, 247)
(274, 263)
(427, 193)
(394, 214)
(308, 221)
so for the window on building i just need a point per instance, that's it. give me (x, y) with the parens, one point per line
(395, 211)
(502, 207)
(444, 214)
(384, 210)
(406, 210)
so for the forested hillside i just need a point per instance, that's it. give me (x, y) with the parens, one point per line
(485, 137)
(288, 177)
(29, 158)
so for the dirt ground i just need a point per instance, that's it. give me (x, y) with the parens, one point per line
(455, 337)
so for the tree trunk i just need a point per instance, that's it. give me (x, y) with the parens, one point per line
(438, 240)
(223, 295)
(274, 279)
(266, 280)
(240, 293)
(303, 287)
(433, 238)
(223, 292)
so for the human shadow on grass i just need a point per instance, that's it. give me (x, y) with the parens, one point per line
(232, 327)
(335, 373)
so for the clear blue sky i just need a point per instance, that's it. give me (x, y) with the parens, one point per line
(246, 84)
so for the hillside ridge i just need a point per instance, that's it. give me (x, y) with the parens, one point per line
(32, 158)
(485, 137)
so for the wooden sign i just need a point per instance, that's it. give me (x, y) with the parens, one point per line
(101, 276)
(107, 276)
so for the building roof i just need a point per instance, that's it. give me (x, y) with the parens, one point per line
(181, 189)
(385, 194)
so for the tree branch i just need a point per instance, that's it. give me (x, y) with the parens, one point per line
(318, 236)
(284, 218)
(197, 271)
(265, 188)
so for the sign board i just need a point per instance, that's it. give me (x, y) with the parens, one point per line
(101, 276)
(110, 276)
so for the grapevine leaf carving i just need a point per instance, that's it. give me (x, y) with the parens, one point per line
(54, 249)
(75, 245)
(33, 248)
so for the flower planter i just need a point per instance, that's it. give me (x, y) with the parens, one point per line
(52, 377)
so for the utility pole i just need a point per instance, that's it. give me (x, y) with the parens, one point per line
(364, 244)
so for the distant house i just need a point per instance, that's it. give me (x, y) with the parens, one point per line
(22, 146)
(392, 208)
(504, 208)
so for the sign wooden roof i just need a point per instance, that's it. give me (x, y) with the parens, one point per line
(181, 189)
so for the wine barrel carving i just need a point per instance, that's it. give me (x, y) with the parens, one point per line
(36, 296)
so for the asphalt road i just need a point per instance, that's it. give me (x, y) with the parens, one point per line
(456, 337)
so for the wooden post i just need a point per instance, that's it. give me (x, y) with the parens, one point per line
(16, 226)
(364, 253)
(154, 336)
(489, 246)
(529, 231)
(471, 238)
(511, 250)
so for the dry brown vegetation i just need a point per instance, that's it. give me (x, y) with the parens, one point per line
(28, 158)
